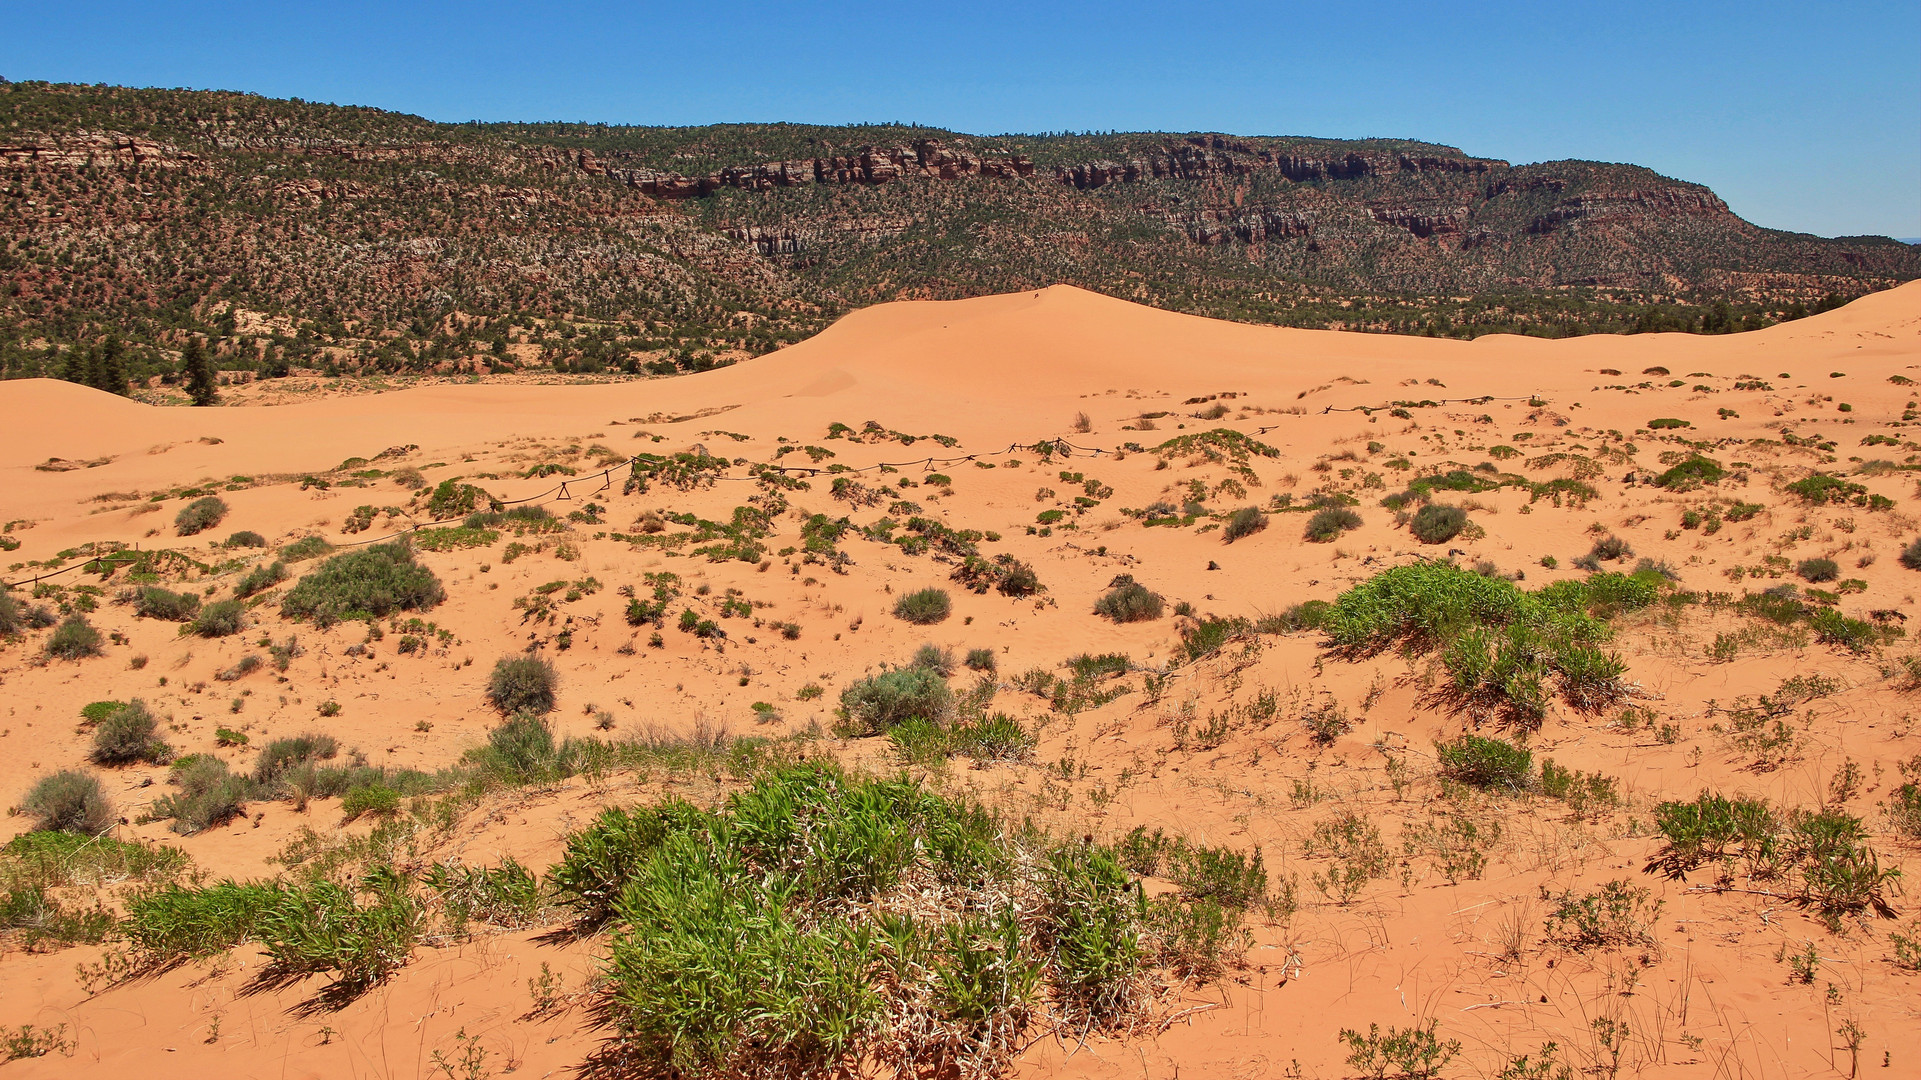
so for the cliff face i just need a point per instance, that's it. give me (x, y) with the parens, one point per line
(157, 208)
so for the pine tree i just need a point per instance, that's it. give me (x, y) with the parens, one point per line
(73, 366)
(198, 369)
(113, 367)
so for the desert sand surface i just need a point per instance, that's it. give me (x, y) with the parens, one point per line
(1710, 990)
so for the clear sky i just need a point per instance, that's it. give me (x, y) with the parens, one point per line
(1802, 115)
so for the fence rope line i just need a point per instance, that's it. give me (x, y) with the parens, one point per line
(561, 493)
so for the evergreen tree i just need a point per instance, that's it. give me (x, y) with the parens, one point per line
(73, 366)
(113, 367)
(198, 370)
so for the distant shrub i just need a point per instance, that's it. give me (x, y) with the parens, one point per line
(1691, 473)
(1129, 601)
(1490, 764)
(452, 499)
(260, 579)
(1821, 488)
(1818, 570)
(1668, 422)
(935, 658)
(154, 602)
(1437, 524)
(219, 619)
(1328, 523)
(1246, 521)
(875, 705)
(209, 795)
(1017, 578)
(1911, 555)
(372, 582)
(924, 606)
(200, 515)
(523, 747)
(13, 619)
(282, 756)
(246, 538)
(74, 639)
(307, 547)
(69, 801)
(376, 799)
(129, 735)
(980, 659)
(523, 684)
(95, 711)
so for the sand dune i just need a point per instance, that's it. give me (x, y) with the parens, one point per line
(1018, 369)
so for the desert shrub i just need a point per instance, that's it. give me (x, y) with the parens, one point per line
(127, 736)
(154, 602)
(508, 895)
(1210, 635)
(219, 619)
(246, 538)
(1833, 628)
(1667, 422)
(523, 684)
(209, 795)
(12, 618)
(1414, 1053)
(1713, 827)
(1608, 549)
(1911, 555)
(1489, 764)
(373, 582)
(74, 639)
(935, 658)
(874, 705)
(325, 929)
(280, 756)
(200, 515)
(1821, 488)
(374, 798)
(522, 747)
(72, 801)
(1129, 601)
(1437, 524)
(1329, 523)
(259, 579)
(176, 924)
(1903, 809)
(1016, 577)
(1246, 521)
(307, 547)
(1818, 570)
(601, 859)
(1691, 473)
(924, 606)
(980, 660)
(992, 738)
(452, 499)
(1619, 915)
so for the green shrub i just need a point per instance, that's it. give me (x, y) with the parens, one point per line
(874, 705)
(1414, 1053)
(508, 895)
(1903, 808)
(376, 799)
(373, 582)
(177, 924)
(200, 515)
(1437, 524)
(325, 929)
(1246, 521)
(1818, 570)
(307, 547)
(935, 658)
(1691, 473)
(260, 579)
(452, 499)
(1489, 764)
(1911, 555)
(74, 639)
(1667, 422)
(221, 618)
(246, 538)
(13, 619)
(72, 801)
(281, 756)
(95, 711)
(1329, 523)
(924, 607)
(1833, 628)
(154, 602)
(980, 660)
(1129, 601)
(992, 738)
(602, 858)
(127, 736)
(522, 747)
(1821, 488)
(209, 795)
(523, 684)
(1620, 915)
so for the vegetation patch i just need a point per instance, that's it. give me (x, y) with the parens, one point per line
(370, 583)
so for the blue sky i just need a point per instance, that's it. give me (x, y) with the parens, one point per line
(1802, 115)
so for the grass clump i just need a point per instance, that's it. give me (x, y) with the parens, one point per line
(1488, 764)
(924, 607)
(1328, 523)
(281, 757)
(1618, 915)
(876, 705)
(154, 602)
(1437, 524)
(307, 547)
(69, 801)
(371, 583)
(245, 538)
(200, 515)
(221, 618)
(74, 639)
(209, 795)
(1128, 601)
(1244, 522)
(981, 660)
(127, 736)
(12, 618)
(523, 684)
(1817, 570)
(260, 579)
